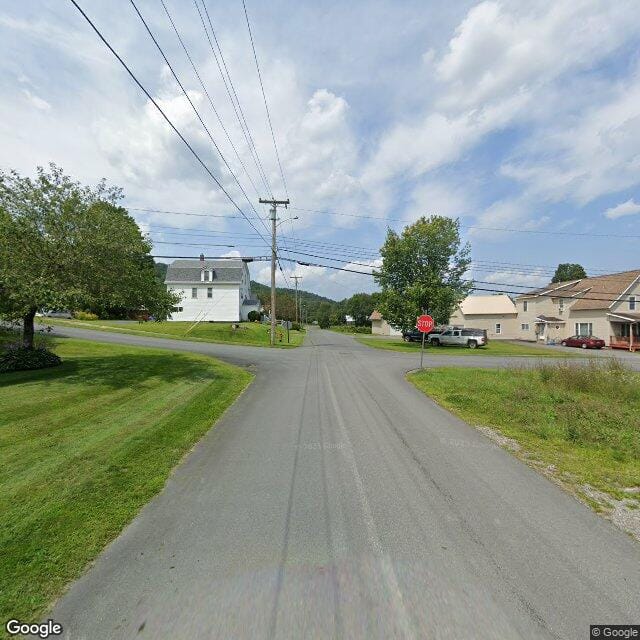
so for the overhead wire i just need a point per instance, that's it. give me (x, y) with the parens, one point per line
(244, 126)
(194, 108)
(206, 92)
(264, 97)
(162, 113)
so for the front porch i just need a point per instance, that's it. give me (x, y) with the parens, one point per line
(625, 331)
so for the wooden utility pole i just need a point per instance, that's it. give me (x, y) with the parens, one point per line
(274, 207)
(296, 278)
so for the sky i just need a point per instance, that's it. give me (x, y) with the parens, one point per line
(520, 118)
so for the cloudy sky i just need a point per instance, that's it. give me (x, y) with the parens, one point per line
(520, 117)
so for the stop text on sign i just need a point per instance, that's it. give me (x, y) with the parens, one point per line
(425, 324)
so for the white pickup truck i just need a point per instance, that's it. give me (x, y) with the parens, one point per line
(471, 338)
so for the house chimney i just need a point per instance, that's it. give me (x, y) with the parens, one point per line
(202, 258)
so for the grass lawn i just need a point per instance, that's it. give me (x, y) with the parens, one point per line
(249, 333)
(351, 329)
(84, 446)
(494, 348)
(584, 419)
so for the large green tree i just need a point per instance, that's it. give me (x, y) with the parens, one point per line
(360, 306)
(423, 269)
(568, 271)
(68, 246)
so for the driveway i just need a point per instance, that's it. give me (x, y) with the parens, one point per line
(334, 500)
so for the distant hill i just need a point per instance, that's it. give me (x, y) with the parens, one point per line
(261, 290)
(310, 302)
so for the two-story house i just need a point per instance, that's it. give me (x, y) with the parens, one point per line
(211, 290)
(606, 306)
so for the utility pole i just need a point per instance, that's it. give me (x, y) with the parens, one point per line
(274, 207)
(296, 278)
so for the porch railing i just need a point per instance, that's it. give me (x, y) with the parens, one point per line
(622, 342)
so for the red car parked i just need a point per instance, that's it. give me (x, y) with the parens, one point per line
(584, 342)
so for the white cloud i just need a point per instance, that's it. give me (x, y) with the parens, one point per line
(628, 208)
(594, 154)
(504, 48)
(36, 101)
(535, 278)
(440, 198)
(506, 64)
(509, 213)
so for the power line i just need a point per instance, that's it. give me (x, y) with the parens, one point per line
(183, 213)
(365, 273)
(162, 113)
(264, 96)
(204, 88)
(195, 110)
(253, 151)
(481, 228)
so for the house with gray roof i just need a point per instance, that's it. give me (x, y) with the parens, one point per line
(211, 290)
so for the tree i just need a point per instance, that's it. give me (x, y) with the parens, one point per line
(423, 269)
(323, 315)
(569, 271)
(360, 306)
(68, 246)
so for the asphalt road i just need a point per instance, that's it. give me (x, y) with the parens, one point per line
(334, 500)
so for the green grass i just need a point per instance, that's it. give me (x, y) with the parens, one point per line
(249, 333)
(494, 348)
(582, 418)
(84, 446)
(346, 328)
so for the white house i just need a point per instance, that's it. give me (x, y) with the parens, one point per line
(211, 290)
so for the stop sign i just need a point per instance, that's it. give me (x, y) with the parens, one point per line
(425, 324)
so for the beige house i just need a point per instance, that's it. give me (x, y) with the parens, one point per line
(380, 327)
(605, 306)
(496, 314)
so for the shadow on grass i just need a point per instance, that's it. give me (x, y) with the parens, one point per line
(118, 371)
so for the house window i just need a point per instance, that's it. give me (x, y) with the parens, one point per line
(584, 328)
(632, 303)
(209, 292)
(498, 328)
(194, 292)
(561, 305)
(206, 276)
(524, 326)
(525, 306)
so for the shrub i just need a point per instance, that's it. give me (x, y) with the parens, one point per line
(85, 315)
(253, 316)
(324, 323)
(296, 326)
(19, 358)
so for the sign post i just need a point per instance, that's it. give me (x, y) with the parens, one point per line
(424, 325)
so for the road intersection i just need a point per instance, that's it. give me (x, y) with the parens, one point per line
(335, 500)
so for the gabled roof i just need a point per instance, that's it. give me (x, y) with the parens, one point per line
(375, 315)
(483, 305)
(188, 271)
(599, 292)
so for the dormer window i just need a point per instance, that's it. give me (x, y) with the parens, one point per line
(207, 276)
(632, 303)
